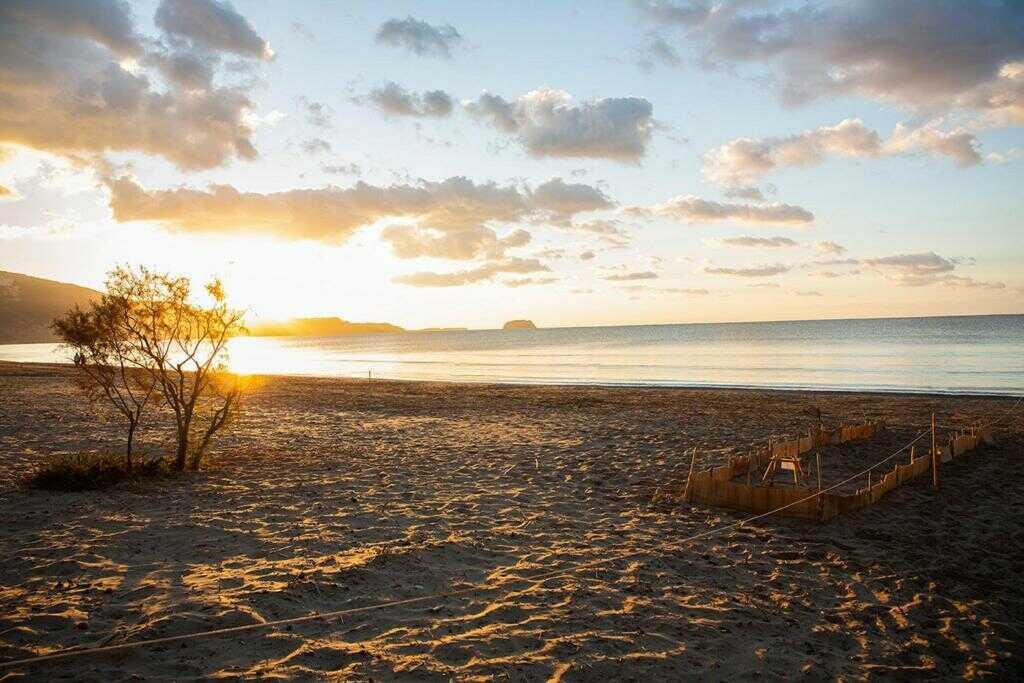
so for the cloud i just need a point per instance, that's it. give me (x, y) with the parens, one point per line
(391, 98)
(481, 273)
(213, 24)
(770, 242)
(692, 209)
(564, 199)
(315, 146)
(744, 161)
(449, 218)
(969, 283)
(547, 123)
(526, 281)
(658, 51)
(630, 277)
(342, 169)
(668, 12)
(302, 31)
(925, 268)
(755, 271)
(78, 80)
(7, 194)
(1012, 154)
(751, 194)
(317, 113)
(690, 291)
(587, 255)
(920, 54)
(807, 292)
(828, 247)
(912, 269)
(419, 37)
(959, 145)
(607, 229)
(459, 244)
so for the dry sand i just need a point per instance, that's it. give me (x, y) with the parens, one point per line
(332, 494)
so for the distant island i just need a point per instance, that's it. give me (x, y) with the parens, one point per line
(320, 327)
(519, 325)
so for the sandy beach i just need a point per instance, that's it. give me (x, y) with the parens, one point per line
(330, 494)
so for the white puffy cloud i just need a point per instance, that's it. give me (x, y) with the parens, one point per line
(692, 209)
(78, 79)
(564, 200)
(923, 268)
(447, 219)
(211, 24)
(391, 98)
(744, 161)
(486, 271)
(419, 37)
(959, 145)
(921, 54)
(459, 244)
(548, 123)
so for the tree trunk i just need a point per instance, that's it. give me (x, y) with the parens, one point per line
(182, 452)
(131, 439)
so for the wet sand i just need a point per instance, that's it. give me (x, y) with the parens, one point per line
(330, 494)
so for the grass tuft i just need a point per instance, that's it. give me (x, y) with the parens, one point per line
(90, 471)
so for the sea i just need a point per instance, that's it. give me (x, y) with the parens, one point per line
(956, 354)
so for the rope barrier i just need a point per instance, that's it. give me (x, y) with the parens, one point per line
(544, 576)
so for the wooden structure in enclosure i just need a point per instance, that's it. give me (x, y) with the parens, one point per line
(716, 487)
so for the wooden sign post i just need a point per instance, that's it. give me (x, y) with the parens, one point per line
(935, 457)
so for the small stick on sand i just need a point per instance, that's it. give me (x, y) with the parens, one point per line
(693, 460)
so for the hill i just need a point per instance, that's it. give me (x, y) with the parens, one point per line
(320, 327)
(519, 325)
(28, 305)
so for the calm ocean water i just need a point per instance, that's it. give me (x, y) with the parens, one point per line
(964, 354)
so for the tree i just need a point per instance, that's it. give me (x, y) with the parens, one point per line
(106, 366)
(183, 348)
(147, 332)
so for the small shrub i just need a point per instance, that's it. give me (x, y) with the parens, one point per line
(89, 471)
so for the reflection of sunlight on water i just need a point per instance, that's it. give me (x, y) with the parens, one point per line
(915, 354)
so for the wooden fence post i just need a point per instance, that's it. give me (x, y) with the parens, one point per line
(817, 457)
(935, 457)
(693, 460)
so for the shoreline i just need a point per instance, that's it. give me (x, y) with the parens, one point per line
(331, 494)
(639, 386)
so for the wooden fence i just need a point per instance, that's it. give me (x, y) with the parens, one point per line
(715, 487)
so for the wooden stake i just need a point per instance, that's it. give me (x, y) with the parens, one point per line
(817, 457)
(693, 460)
(935, 457)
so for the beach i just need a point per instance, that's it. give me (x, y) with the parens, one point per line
(330, 494)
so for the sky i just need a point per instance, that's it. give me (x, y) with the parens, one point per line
(574, 163)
